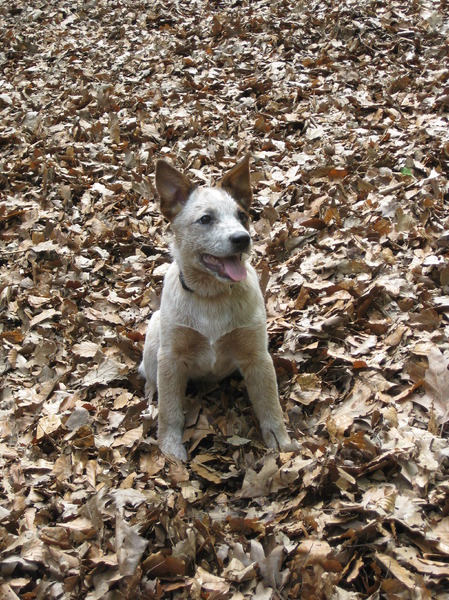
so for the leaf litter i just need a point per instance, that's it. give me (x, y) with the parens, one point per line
(345, 110)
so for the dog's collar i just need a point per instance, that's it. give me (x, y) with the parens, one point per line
(184, 284)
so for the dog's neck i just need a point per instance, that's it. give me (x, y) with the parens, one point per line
(184, 284)
(202, 284)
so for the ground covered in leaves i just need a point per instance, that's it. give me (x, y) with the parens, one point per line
(345, 109)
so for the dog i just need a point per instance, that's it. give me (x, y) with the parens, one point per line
(212, 319)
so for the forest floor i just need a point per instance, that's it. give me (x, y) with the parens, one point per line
(345, 110)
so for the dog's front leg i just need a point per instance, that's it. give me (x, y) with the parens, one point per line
(172, 381)
(260, 379)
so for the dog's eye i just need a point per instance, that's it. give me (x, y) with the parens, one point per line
(205, 220)
(243, 217)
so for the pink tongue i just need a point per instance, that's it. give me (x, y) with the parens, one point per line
(234, 268)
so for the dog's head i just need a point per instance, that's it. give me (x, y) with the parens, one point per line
(210, 224)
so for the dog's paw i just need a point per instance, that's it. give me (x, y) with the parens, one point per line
(291, 446)
(276, 437)
(173, 448)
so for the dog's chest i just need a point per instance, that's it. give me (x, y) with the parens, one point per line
(212, 320)
(213, 364)
(212, 317)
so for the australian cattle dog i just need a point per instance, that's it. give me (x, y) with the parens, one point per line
(212, 318)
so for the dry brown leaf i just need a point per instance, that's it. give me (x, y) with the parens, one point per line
(392, 566)
(86, 349)
(129, 546)
(47, 426)
(62, 468)
(129, 438)
(436, 383)
(107, 371)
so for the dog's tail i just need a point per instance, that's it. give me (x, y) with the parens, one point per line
(141, 370)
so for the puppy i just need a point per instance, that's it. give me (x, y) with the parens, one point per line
(212, 318)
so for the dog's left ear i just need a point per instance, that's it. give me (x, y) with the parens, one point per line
(237, 182)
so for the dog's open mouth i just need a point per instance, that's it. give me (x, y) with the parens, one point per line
(228, 267)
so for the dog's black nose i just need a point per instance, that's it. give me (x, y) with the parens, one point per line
(240, 241)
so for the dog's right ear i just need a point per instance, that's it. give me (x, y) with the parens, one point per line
(173, 187)
(238, 183)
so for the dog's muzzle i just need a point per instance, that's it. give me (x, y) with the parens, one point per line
(230, 267)
(241, 241)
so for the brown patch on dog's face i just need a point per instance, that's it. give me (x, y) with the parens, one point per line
(244, 218)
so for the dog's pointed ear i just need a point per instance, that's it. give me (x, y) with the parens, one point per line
(173, 187)
(237, 182)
